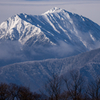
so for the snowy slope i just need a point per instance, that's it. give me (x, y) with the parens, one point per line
(34, 73)
(51, 27)
(56, 33)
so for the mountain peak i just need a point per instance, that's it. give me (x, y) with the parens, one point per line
(48, 29)
(55, 9)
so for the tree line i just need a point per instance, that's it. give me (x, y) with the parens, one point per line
(16, 92)
(72, 87)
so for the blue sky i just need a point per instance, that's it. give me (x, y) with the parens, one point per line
(87, 8)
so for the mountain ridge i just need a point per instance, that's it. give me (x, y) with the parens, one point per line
(35, 73)
(55, 34)
(37, 25)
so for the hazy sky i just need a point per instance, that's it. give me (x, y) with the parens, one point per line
(90, 8)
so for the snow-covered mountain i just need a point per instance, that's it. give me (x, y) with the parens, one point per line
(54, 34)
(34, 74)
(51, 27)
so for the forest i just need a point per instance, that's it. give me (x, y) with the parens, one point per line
(69, 87)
